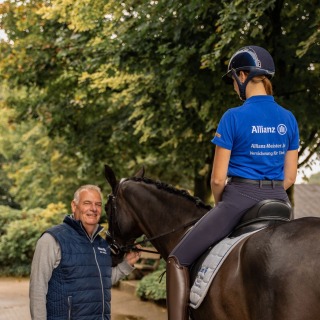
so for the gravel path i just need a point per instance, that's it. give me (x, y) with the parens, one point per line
(14, 302)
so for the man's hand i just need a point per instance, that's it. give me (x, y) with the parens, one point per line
(133, 256)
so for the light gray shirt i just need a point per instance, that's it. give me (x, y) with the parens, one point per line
(46, 257)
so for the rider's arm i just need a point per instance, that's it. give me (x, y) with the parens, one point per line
(290, 168)
(219, 172)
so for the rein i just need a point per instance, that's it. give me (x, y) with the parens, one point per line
(134, 248)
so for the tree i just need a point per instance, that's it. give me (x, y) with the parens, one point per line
(20, 230)
(139, 82)
(34, 161)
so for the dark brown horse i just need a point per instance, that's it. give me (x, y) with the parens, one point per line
(271, 275)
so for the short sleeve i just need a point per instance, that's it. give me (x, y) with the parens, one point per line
(224, 135)
(294, 141)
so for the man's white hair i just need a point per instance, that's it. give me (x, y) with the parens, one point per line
(85, 187)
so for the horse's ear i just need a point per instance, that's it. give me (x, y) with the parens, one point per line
(110, 176)
(140, 173)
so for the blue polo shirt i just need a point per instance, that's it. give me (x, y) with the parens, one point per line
(258, 133)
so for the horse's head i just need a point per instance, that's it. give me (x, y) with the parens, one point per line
(142, 206)
(122, 228)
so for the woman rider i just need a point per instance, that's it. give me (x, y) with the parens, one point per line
(256, 157)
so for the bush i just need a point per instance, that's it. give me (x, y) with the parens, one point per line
(20, 234)
(153, 285)
(8, 215)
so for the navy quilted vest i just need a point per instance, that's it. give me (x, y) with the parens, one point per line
(80, 287)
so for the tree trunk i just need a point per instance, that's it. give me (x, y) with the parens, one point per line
(290, 193)
(201, 188)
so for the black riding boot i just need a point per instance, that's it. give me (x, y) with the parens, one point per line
(178, 290)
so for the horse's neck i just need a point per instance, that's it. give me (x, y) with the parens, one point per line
(165, 216)
(170, 227)
(167, 243)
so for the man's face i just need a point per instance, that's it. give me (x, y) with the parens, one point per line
(88, 210)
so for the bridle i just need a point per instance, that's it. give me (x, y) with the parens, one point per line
(118, 249)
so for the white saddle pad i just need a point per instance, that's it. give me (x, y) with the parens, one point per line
(211, 266)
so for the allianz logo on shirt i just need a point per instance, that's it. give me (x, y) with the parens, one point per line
(102, 250)
(281, 129)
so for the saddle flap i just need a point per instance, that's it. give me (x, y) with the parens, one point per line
(206, 270)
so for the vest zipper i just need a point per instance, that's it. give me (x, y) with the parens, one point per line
(70, 307)
(95, 257)
(102, 290)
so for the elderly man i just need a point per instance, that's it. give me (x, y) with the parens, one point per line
(71, 273)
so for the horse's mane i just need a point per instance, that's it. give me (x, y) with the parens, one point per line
(171, 189)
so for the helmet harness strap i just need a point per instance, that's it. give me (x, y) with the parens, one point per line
(243, 85)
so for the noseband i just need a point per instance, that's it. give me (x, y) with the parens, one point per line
(115, 247)
(118, 249)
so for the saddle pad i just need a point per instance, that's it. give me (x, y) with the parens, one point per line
(211, 266)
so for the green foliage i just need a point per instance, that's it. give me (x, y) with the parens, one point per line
(8, 215)
(5, 197)
(138, 83)
(19, 234)
(153, 286)
(33, 160)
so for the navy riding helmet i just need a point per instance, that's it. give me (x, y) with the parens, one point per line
(253, 59)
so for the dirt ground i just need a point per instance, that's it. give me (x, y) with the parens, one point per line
(14, 302)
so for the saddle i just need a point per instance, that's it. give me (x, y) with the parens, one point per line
(262, 215)
(265, 213)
